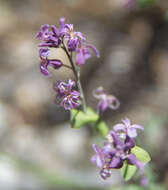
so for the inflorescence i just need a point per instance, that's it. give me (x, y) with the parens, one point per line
(120, 141)
(117, 149)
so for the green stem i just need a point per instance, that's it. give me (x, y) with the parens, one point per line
(125, 172)
(67, 66)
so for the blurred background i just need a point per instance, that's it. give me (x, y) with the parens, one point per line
(38, 149)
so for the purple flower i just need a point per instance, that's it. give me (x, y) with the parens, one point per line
(73, 38)
(114, 153)
(45, 62)
(127, 128)
(105, 100)
(83, 53)
(44, 33)
(68, 97)
(51, 38)
(59, 32)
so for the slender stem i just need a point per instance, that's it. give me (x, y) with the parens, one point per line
(67, 66)
(77, 76)
(81, 91)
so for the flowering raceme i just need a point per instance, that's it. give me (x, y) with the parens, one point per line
(71, 42)
(119, 147)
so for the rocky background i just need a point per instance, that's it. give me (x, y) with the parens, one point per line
(38, 149)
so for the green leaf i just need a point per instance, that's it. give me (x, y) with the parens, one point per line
(102, 128)
(141, 154)
(128, 171)
(79, 118)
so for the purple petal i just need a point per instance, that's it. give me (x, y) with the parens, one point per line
(108, 149)
(44, 27)
(132, 159)
(62, 23)
(119, 127)
(44, 69)
(45, 44)
(55, 30)
(71, 83)
(39, 35)
(80, 35)
(96, 149)
(116, 139)
(55, 63)
(102, 105)
(115, 104)
(93, 159)
(99, 159)
(86, 53)
(127, 122)
(72, 44)
(105, 173)
(137, 126)
(94, 50)
(116, 162)
(44, 52)
(69, 27)
(131, 132)
(98, 92)
(129, 143)
(75, 93)
(80, 59)
(54, 39)
(144, 181)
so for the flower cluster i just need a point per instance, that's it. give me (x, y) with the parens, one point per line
(117, 149)
(69, 98)
(62, 37)
(105, 100)
(71, 42)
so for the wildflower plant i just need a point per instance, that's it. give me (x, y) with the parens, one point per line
(119, 150)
